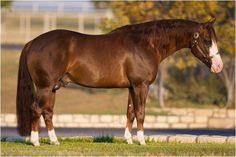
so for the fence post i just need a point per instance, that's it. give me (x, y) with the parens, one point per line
(54, 21)
(81, 22)
(22, 24)
(28, 28)
(46, 25)
(96, 23)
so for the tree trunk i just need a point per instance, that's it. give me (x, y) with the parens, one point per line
(160, 90)
(228, 76)
(230, 96)
(160, 81)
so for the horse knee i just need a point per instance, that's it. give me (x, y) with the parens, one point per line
(36, 111)
(47, 114)
(130, 117)
(140, 117)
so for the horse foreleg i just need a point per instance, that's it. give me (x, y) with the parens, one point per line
(139, 95)
(48, 115)
(130, 119)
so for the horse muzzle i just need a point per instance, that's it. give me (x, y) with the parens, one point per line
(217, 64)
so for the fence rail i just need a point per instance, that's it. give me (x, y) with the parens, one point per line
(22, 26)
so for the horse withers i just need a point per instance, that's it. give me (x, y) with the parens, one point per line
(127, 57)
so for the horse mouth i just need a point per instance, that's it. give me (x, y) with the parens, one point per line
(217, 64)
(216, 68)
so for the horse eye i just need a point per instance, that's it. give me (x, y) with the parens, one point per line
(207, 43)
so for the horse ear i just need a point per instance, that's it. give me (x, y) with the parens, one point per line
(210, 22)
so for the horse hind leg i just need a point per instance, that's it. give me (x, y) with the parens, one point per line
(36, 109)
(130, 120)
(43, 105)
(47, 113)
(36, 113)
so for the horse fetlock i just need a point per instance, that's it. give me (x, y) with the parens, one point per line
(141, 139)
(34, 138)
(53, 137)
(128, 136)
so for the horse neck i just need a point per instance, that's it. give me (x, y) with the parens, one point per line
(171, 40)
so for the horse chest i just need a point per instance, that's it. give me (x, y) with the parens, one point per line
(142, 68)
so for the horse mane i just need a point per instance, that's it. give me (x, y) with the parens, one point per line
(157, 24)
(157, 29)
(158, 33)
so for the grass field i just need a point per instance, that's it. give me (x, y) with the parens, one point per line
(112, 146)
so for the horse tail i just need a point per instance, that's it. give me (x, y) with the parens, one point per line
(25, 95)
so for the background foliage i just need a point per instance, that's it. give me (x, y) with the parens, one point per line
(186, 78)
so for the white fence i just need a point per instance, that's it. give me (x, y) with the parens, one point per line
(22, 26)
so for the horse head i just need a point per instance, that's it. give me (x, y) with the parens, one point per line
(204, 46)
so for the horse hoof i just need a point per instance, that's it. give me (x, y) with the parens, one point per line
(129, 141)
(143, 143)
(54, 143)
(36, 144)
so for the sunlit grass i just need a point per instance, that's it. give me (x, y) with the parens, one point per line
(89, 146)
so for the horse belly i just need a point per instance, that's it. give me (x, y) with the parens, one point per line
(103, 76)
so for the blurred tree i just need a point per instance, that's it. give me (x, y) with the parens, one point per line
(134, 12)
(101, 4)
(225, 29)
(6, 3)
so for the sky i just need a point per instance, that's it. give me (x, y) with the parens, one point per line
(53, 5)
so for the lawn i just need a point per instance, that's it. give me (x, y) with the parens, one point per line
(88, 146)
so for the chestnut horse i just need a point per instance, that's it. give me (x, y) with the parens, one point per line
(127, 57)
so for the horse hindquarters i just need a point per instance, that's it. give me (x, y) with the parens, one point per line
(31, 103)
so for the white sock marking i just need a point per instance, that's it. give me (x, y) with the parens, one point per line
(52, 135)
(140, 136)
(34, 138)
(128, 136)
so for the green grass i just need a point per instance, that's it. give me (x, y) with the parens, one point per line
(89, 146)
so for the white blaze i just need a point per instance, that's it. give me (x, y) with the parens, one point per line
(217, 64)
(213, 49)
